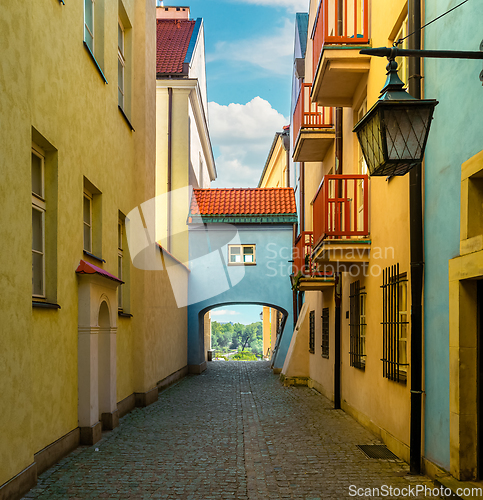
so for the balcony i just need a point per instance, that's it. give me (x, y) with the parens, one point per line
(305, 275)
(313, 127)
(341, 220)
(340, 30)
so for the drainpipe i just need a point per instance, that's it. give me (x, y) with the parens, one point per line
(170, 161)
(338, 277)
(417, 255)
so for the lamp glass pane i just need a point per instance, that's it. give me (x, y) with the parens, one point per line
(370, 139)
(406, 132)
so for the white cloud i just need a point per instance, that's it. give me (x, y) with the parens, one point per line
(290, 5)
(224, 312)
(273, 53)
(243, 133)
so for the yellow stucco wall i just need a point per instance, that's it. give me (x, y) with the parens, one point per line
(275, 173)
(52, 92)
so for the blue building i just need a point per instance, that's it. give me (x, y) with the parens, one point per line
(240, 253)
(453, 241)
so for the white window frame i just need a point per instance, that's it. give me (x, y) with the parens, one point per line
(242, 255)
(87, 195)
(403, 62)
(122, 62)
(90, 29)
(39, 204)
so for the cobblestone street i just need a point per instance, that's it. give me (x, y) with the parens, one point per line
(232, 432)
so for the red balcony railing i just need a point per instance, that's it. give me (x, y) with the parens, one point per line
(339, 22)
(341, 208)
(302, 256)
(308, 114)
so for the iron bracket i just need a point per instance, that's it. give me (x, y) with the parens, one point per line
(481, 74)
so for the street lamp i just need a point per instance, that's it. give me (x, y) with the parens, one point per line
(394, 132)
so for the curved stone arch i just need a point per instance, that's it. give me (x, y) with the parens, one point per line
(197, 368)
(112, 314)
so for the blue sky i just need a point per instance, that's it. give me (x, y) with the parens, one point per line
(249, 54)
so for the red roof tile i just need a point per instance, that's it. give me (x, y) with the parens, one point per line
(251, 201)
(86, 268)
(173, 38)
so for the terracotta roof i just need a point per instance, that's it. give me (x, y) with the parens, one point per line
(173, 38)
(86, 268)
(250, 201)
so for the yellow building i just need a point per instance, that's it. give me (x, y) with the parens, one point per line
(351, 256)
(85, 333)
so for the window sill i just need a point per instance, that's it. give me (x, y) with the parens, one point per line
(45, 305)
(123, 314)
(242, 263)
(95, 62)
(126, 118)
(92, 256)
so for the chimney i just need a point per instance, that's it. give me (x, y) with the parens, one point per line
(163, 12)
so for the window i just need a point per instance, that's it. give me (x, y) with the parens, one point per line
(241, 255)
(87, 222)
(121, 63)
(403, 62)
(312, 332)
(38, 222)
(395, 324)
(325, 332)
(357, 325)
(92, 221)
(89, 23)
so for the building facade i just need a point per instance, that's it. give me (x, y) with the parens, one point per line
(184, 156)
(240, 243)
(84, 336)
(453, 433)
(351, 253)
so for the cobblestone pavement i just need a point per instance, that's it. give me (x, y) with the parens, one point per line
(232, 432)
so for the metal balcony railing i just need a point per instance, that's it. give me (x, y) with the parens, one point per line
(341, 208)
(310, 115)
(339, 22)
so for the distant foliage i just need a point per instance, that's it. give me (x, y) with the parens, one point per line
(228, 336)
(244, 356)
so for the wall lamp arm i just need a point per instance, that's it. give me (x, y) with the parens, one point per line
(393, 52)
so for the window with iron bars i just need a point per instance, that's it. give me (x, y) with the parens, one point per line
(312, 332)
(395, 324)
(325, 332)
(357, 325)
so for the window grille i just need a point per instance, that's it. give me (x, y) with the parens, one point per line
(357, 325)
(312, 332)
(395, 324)
(325, 332)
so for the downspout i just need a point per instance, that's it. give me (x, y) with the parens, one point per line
(417, 255)
(170, 161)
(338, 276)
